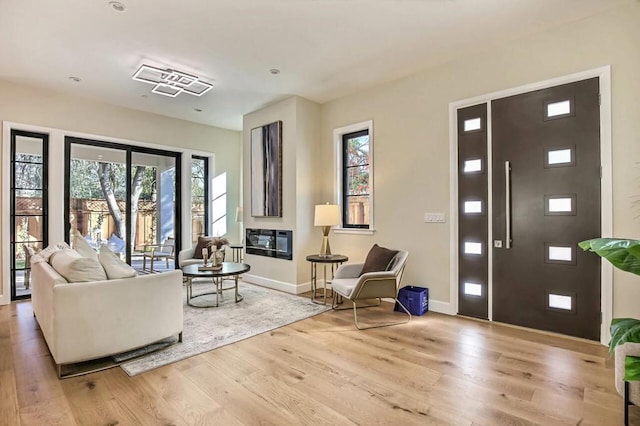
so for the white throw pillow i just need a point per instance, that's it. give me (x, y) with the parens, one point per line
(75, 268)
(46, 253)
(113, 265)
(82, 246)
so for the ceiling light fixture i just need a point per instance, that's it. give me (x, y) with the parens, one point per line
(274, 71)
(75, 79)
(117, 6)
(171, 82)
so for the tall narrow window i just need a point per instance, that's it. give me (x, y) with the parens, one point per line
(356, 179)
(28, 206)
(199, 195)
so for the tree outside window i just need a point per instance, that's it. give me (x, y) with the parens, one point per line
(356, 179)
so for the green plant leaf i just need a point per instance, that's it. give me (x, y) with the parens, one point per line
(624, 330)
(623, 253)
(631, 368)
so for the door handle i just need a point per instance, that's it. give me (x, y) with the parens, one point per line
(507, 197)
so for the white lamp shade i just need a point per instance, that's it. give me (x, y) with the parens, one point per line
(239, 214)
(327, 215)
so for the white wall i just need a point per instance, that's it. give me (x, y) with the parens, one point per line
(51, 110)
(300, 120)
(411, 139)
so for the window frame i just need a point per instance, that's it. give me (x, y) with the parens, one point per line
(340, 171)
(207, 194)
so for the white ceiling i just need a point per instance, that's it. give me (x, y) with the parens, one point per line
(325, 49)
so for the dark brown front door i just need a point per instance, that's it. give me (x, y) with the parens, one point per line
(546, 198)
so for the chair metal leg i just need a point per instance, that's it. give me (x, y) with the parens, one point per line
(386, 324)
(336, 302)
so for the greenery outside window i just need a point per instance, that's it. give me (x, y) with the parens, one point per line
(354, 148)
(199, 195)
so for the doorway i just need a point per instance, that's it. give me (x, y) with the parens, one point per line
(537, 188)
(122, 196)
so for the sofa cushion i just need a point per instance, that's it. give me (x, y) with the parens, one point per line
(75, 268)
(203, 242)
(378, 259)
(47, 252)
(83, 248)
(114, 267)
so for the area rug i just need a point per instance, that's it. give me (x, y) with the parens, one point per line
(206, 329)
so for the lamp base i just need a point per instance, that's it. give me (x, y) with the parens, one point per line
(325, 249)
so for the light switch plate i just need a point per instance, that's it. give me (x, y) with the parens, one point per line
(434, 218)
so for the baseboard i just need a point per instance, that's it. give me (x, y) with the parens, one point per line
(440, 307)
(277, 285)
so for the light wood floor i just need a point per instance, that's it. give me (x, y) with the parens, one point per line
(435, 370)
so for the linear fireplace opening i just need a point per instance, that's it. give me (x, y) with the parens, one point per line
(269, 242)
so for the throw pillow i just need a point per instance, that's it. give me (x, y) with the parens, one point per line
(116, 243)
(75, 268)
(46, 253)
(113, 265)
(203, 242)
(82, 246)
(378, 259)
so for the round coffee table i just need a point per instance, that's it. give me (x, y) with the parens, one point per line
(229, 269)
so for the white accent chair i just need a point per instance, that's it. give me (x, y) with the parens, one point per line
(349, 284)
(185, 257)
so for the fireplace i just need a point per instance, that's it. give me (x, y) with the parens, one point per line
(270, 243)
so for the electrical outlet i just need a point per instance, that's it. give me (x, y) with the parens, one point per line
(434, 218)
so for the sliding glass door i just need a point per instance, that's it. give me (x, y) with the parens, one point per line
(122, 196)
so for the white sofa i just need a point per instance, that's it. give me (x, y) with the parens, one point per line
(89, 320)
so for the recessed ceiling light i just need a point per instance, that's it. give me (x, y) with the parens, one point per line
(274, 71)
(117, 6)
(75, 79)
(197, 110)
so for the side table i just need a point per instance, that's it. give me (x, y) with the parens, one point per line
(237, 252)
(334, 260)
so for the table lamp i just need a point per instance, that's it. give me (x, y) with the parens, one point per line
(326, 216)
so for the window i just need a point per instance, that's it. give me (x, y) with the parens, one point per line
(355, 175)
(29, 205)
(199, 191)
(219, 205)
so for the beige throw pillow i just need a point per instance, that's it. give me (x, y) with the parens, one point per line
(82, 246)
(46, 253)
(113, 265)
(75, 268)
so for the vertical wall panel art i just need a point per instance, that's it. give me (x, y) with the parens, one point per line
(266, 170)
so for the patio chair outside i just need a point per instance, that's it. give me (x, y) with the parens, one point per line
(158, 251)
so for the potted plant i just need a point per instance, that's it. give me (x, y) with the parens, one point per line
(624, 254)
